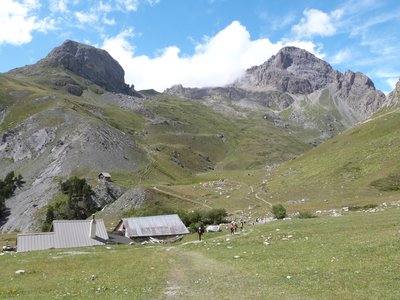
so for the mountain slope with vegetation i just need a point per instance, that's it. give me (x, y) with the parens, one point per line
(357, 167)
(211, 146)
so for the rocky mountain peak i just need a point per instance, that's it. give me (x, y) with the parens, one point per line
(296, 58)
(291, 70)
(91, 63)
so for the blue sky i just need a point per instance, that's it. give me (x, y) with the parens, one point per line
(206, 42)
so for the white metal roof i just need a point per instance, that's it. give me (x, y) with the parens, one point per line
(75, 233)
(35, 241)
(66, 234)
(105, 174)
(154, 226)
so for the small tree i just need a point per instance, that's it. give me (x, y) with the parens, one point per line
(49, 218)
(278, 211)
(8, 187)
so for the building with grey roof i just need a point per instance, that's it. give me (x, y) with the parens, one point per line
(160, 227)
(65, 234)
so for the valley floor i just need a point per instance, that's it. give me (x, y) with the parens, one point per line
(354, 256)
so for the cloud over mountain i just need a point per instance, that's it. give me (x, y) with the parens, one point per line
(217, 61)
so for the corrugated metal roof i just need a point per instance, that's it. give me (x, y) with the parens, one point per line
(105, 174)
(66, 234)
(75, 233)
(35, 241)
(154, 226)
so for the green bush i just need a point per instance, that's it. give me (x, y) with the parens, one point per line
(356, 207)
(389, 183)
(278, 211)
(306, 215)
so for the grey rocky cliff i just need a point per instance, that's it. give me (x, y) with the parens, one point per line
(91, 63)
(106, 193)
(296, 71)
(357, 91)
(393, 97)
(297, 79)
(291, 70)
(45, 153)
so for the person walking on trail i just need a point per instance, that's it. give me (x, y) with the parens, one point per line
(200, 232)
(233, 227)
(241, 225)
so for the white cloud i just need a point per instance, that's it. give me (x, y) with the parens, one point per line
(341, 56)
(58, 6)
(153, 2)
(108, 21)
(217, 61)
(104, 7)
(316, 22)
(391, 77)
(128, 5)
(392, 82)
(18, 21)
(86, 17)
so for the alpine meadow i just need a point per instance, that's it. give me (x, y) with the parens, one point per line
(285, 183)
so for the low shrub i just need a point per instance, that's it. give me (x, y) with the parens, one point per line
(367, 206)
(306, 215)
(279, 211)
(389, 183)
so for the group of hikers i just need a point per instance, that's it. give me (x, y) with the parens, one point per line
(232, 227)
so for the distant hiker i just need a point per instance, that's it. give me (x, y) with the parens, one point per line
(241, 225)
(233, 227)
(200, 232)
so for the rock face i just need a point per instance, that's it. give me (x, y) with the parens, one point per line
(295, 79)
(296, 71)
(394, 96)
(90, 63)
(291, 70)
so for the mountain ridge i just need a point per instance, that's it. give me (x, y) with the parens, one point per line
(56, 123)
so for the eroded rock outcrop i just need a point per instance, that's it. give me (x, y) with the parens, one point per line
(393, 97)
(91, 63)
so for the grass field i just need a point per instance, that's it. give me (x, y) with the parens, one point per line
(354, 256)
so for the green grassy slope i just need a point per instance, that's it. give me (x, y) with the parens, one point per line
(183, 143)
(340, 171)
(349, 257)
(175, 139)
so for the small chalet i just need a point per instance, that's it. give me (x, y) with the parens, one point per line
(145, 228)
(65, 234)
(104, 176)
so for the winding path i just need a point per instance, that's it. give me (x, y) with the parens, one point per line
(180, 197)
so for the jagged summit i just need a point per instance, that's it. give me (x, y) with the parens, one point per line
(292, 70)
(91, 63)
